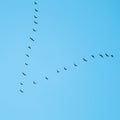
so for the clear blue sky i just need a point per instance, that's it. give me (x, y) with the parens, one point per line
(68, 30)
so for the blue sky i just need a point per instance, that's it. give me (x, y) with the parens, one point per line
(67, 32)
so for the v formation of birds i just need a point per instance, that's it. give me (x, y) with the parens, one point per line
(35, 21)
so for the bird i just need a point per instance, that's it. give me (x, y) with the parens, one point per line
(34, 30)
(21, 83)
(36, 10)
(32, 39)
(35, 16)
(75, 65)
(101, 55)
(35, 22)
(27, 55)
(65, 68)
(106, 55)
(46, 78)
(26, 64)
(34, 82)
(24, 74)
(21, 91)
(112, 56)
(92, 56)
(29, 47)
(58, 71)
(84, 60)
(35, 2)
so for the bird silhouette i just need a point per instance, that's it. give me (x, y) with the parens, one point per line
(21, 91)
(101, 55)
(35, 2)
(34, 82)
(27, 55)
(21, 83)
(32, 39)
(34, 30)
(35, 16)
(106, 55)
(26, 64)
(35, 22)
(58, 71)
(65, 68)
(92, 56)
(46, 78)
(112, 56)
(75, 65)
(24, 74)
(36, 10)
(84, 60)
(29, 47)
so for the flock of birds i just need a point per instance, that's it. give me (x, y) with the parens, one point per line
(35, 21)
(58, 71)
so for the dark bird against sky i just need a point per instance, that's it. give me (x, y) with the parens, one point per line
(21, 91)
(35, 3)
(35, 16)
(27, 55)
(29, 47)
(32, 39)
(34, 30)
(75, 65)
(35, 22)
(106, 55)
(36, 10)
(101, 55)
(34, 82)
(46, 78)
(21, 83)
(84, 60)
(58, 71)
(92, 56)
(26, 64)
(24, 74)
(65, 68)
(112, 55)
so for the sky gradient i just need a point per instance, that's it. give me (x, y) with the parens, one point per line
(68, 31)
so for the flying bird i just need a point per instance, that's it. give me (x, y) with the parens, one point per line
(84, 60)
(36, 10)
(35, 16)
(58, 71)
(35, 22)
(75, 65)
(34, 30)
(35, 3)
(21, 91)
(106, 55)
(27, 55)
(101, 55)
(32, 39)
(26, 64)
(21, 83)
(92, 56)
(24, 74)
(112, 55)
(29, 47)
(65, 68)
(46, 78)
(34, 82)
